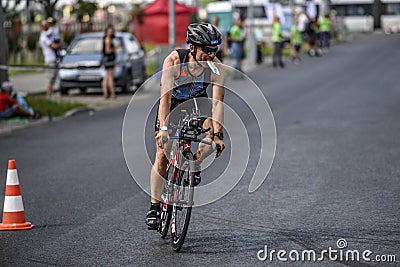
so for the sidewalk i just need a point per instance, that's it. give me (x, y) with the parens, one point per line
(33, 83)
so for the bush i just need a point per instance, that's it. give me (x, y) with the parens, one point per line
(31, 42)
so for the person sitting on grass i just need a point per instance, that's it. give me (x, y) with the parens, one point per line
(9, 107)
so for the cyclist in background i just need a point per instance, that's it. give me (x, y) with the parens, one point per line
(186, 74)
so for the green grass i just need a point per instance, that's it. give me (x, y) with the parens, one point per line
(50, 107)
(151, 68)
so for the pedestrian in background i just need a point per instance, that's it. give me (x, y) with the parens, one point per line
(325, 24)
(303, 20)
(109, 57)
(9, 107)
(49, 48)
(312, 33)
(277, 40)
(237, 41)
(296, 41)
(54, 34)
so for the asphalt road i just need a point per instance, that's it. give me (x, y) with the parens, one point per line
(335, 176)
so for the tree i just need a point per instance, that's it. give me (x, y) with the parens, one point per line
(6, 7)
(4, 48)
(9, 8)
(138, 13)
(49, 6)
(83, 8)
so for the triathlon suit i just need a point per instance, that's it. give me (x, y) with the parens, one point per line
(187, 87)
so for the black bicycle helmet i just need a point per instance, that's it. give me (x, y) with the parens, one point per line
(203, 34)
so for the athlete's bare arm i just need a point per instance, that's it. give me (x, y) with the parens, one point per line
(218, 92)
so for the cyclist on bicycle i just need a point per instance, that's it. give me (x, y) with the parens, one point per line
(186, 74)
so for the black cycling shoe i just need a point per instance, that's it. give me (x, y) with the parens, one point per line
(153, 219)
(197, 178)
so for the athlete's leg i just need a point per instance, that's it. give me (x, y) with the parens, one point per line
(158, 175)
(157, 182)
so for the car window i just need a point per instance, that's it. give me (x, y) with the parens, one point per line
(131, 46)
(92, 45)
(87, 45)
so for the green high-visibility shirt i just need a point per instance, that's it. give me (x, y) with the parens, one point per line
(276, 32)
(296, 35)
(236, 33)
(324, 24)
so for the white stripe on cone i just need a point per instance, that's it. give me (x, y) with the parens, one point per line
(12, 177)
(13, 204)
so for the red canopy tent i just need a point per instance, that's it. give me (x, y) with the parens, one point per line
(155, 23)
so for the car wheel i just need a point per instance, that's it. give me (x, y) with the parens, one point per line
(63, 91)
(144, 76)
(128, 83)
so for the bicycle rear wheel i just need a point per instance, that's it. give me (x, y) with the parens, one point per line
(182, 201)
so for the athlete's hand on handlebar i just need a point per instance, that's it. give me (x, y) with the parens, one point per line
(161, 138)
(219, 146)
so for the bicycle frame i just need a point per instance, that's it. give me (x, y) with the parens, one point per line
(175, 200)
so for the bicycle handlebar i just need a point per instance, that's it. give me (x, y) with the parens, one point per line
(189, 139)
(165, 140)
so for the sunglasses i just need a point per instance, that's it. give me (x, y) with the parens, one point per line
(209, 50)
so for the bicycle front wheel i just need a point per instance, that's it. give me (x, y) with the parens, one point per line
(166, 213)
(166, 209)
(182, 201)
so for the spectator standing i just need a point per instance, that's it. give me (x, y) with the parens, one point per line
(302, 23)
(296, 42)
(109, 57)
(325, 24)
(49, 48)
(237, 41)
(312, 33)
(54, 34)
(277, 40)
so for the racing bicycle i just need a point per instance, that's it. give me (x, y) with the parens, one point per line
(177, 196)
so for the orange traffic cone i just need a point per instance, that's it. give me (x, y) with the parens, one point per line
(13, 212)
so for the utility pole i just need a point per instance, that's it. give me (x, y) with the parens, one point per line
(252, 43)
(3, 47)
(28, 16)
(376, 13)
(172, 24)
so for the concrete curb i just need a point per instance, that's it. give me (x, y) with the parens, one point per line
(7, 128)
(77, 111)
